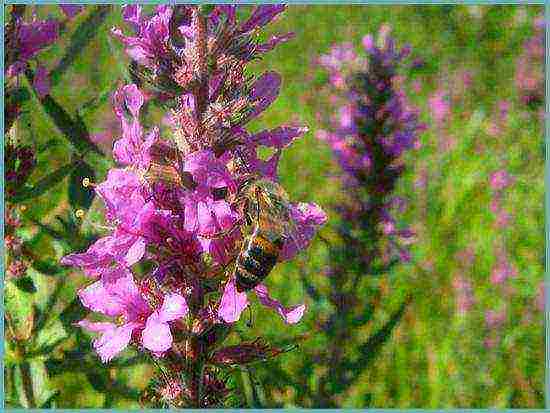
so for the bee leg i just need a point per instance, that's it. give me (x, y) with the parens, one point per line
(249, 323)
(223, 233)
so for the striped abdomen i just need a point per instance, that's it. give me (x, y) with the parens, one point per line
(257, 259)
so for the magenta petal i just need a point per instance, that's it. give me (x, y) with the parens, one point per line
(279, 137)
(136, 251)
(173, 307)
(98, 299)
(261, 16)
(95, 327)
(290, 315)
(273, 42)
(111, 275)
(112, 342)
(133, 98)
(232, 303)
(156, 336)
(307, 218)
(132, 14)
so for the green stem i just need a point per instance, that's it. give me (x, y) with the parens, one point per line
(26, 377)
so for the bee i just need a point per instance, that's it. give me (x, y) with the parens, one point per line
(163, 165)
(267, 209)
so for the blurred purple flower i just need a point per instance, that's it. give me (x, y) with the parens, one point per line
(71, 10)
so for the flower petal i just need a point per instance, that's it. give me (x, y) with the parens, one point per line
(290, 315)
(98, 299)
(173, 307)
(156, 336)
(112, 340)
(232, 303)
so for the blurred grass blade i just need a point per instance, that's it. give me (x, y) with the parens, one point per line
(44, 184)
(93, 104)
(75, 130)
(25, 284)
(47, 267)
(373, 345)
(81, 37)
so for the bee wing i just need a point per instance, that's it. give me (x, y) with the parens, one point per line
(163, 173)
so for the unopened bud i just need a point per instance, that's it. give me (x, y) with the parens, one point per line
(244, 353)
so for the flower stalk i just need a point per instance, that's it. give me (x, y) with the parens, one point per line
(374, 126)
(179, 203)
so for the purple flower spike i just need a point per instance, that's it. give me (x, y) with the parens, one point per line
(176, 203)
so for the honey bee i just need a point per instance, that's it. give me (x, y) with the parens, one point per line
(267, 209)
(162, 166)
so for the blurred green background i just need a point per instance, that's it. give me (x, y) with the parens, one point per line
(437, 356)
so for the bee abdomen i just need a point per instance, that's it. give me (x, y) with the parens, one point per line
(256, 262)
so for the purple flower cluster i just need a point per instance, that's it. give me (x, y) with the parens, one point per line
(173, 203)
(372, 128)
(24, 40)
(530, 68)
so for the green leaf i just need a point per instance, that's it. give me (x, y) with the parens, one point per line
(17, 96)
(25, 284)
(48, 338)
(19, 311)
(48, 145)
(33, 385)
(47, 267)
(44, 184)
(81, 37)
(74, 129)
(79, 196)
(370, 349)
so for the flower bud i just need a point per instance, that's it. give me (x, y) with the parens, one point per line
(244, 353)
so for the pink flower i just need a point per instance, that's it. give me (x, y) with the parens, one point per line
(31, 38)
(439, 106)
(495, 319)
(233, 304)
(307, 218)
(500, 180)
(123, 301)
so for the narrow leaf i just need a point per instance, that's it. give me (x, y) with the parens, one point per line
(74, 130)
(44, 184)
(81, 37)
(373, 345)
(19, 311)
